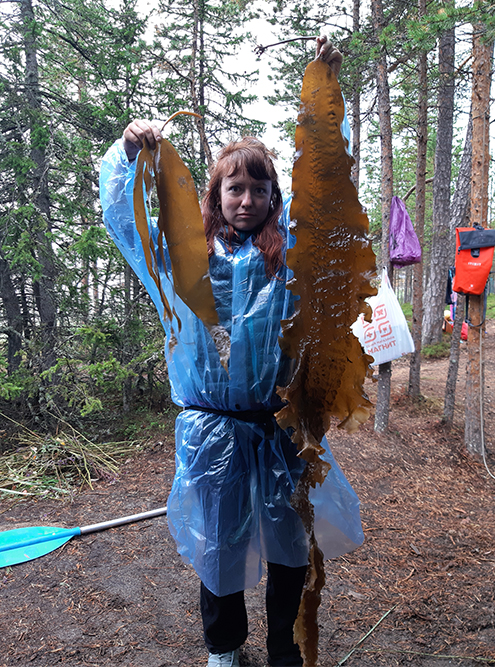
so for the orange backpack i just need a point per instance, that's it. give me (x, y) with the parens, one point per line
(473, 259)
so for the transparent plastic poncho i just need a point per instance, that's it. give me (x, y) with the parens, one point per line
(229, 506)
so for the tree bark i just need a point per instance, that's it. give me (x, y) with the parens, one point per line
(482, 57)
(385, 122)
(13, 314)
(435, 291)
(356, 107)
(422, 140)
(127, 346)
(460, 212)
(197, 82)
(459, 217)
(455, 350)
(44, 287)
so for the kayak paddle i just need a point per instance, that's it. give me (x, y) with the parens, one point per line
(23, 544)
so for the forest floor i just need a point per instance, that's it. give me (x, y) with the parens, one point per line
(422, 585)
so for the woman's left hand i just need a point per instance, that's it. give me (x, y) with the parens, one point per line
(327, 52)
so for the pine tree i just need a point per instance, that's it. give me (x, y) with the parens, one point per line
(196, 39)
(435, 292)
(384, 114)
(73, 75)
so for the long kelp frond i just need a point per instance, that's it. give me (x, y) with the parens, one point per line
(333, 264)
(144, 171)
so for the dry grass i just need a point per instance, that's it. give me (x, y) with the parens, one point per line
(58, 465)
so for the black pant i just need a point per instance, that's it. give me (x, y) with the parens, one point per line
(225, 621)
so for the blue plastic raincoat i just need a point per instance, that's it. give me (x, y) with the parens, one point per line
(229, 506)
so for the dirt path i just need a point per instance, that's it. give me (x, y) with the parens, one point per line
(123, 597)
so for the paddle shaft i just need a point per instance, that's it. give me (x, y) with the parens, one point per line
(85, 530)
(96, 527)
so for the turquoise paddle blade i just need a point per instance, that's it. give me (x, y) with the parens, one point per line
(23, 544)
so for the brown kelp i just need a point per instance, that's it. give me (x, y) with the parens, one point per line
(333, 264)
(181, 223)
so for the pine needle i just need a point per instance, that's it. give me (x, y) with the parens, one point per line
(365, 637)
(440, 656)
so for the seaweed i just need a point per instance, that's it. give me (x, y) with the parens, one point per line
(333, 264)
(181, 224)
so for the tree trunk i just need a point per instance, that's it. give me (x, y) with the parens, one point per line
(482, 56)
(384, 115)
(435, 292)
(422, 140)
(408, 290)
(44, 287)
(127, 346)
(197, 82)
(356, 107)
(455, 350)
(459, 211)
(13, 314)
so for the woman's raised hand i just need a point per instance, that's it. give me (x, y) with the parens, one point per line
(329, 54)
(135, 134)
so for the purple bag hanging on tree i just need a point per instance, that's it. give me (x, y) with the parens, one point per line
(404, 244)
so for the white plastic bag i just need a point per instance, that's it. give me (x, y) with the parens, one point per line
(387, 336)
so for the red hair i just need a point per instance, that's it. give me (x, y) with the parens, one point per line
(250, 155)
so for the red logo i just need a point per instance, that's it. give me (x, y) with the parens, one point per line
(380, 312)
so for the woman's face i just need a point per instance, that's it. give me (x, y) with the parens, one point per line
(245, 201)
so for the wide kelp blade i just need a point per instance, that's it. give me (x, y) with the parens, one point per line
(181, 224)
(24, 544)
(333, 263)
(144, 171)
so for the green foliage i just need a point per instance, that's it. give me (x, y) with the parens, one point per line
(490, 307)
(80, 337)
(14, 161)
(92, 374)
(196, 39)
(407, 310)
(11, 385)
(103, 358)
(90, 244)
(19, 249)
(438, 350)
(40, 137)
(289, 62)
(147, 423)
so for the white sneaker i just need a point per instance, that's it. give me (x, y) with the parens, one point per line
(229, 659)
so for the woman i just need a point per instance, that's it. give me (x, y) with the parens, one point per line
(236, 470)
